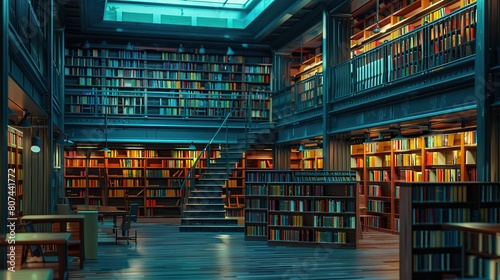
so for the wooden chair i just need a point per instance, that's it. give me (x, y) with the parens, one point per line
(126, 224)
(37, 252)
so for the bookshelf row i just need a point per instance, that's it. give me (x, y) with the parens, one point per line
(398, 17)
(146, 176)
(213, 103)
(134, 82)
(450, 230)
(15, 168)
(291, 208)
(382, 165)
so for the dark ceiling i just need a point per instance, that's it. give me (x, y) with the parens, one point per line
(284, 26)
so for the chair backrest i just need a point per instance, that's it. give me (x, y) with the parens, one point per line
(134, 209)
(63, 209)
(36, 250)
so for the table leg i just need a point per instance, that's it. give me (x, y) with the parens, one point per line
(63, 261)
(82, 244)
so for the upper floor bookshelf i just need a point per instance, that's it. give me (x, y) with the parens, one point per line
(398, 17)
(164, 82)
(307, 68)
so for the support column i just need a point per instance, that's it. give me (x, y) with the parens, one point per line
(4, 120)
(336, 49)
(483, 93)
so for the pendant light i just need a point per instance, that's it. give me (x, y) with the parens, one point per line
(377, 27)
(105, 149)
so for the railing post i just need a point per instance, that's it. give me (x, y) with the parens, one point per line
(426, 49)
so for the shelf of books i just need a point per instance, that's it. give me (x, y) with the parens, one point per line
(381, 166)
(482, 253)
(150, 178)
(430, 248)
(308, 68)
(398, 17)
(15, 168)
(256, 201)
(165, 83)
(302, 208)
(309, 159)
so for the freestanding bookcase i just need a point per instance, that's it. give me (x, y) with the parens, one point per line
(428, 248)
(302, 208)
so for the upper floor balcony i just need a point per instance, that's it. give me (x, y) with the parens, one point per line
(434, 56)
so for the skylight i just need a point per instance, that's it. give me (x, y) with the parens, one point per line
(236, 14)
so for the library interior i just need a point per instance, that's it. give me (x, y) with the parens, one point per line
(250, 139)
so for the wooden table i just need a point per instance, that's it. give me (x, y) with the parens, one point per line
(59, 239)
(62, 220)
(110, 211)
(27, 274)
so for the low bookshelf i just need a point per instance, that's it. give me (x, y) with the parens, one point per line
(302, 208)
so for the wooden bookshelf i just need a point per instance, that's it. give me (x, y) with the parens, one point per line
(307, 68)
(150, 178)
(432, 249)
(396, 18)
(165, 83)
(15, 171)
(381, 166)
(308, 159)
(302, 208)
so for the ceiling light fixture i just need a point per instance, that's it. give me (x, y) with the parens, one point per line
(86, 45)
(377, 27)
(192, 147)
(201, 50)
(35, 142)
(129, 47)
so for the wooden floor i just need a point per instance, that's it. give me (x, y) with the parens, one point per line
(163, 252)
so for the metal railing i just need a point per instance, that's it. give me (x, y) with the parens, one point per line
(424, 49)
(167, 104)
(190, 179)
(301, 96)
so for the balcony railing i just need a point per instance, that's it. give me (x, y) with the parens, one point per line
(172, 105)
(299, 97)
(425, 49)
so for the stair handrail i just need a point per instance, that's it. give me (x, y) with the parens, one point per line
(195, 162)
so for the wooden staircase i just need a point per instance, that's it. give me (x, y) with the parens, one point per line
(204, 210)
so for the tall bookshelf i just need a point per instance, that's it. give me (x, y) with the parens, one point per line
(163, 82)
(302, 208)
(429, 248)
(382, 165)
(15, 169)
(395, 19)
